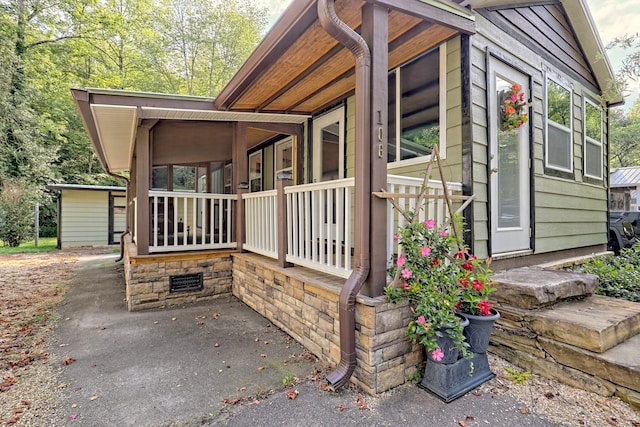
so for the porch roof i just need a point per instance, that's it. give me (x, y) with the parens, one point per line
(111, 118)
(299, 68)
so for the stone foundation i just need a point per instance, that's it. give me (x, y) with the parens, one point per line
(147, 277)
(305, 305)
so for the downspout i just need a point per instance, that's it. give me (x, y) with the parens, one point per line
(358, 47)
(127, 231)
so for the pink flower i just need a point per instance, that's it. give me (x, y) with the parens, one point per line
(435, 262)
(437, 354)
(421, 319)
(430, 224)
(395, 237)
(463, 282)
(401, 260)
(467, 266)
(425, 251)
(478, 285)
(406, 273)
(485, 307)
(405, 286)
(444, 233)
(458, 305)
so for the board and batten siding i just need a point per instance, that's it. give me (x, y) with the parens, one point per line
(566, 212)
(85, 218)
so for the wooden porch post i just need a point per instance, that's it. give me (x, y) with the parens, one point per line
(281, 183)
(375, 32)
(143, 171)
(240, 177)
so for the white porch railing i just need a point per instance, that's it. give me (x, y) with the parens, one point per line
(190, 221)
(261, 220)
(320, 225)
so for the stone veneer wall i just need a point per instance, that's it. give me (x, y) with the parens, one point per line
(147, 277)
(306, 307)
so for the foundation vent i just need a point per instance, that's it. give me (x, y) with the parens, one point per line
(185, 282)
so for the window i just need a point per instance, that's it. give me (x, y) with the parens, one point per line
(283, 157)
(416, 113)
(592, 140)
(559, 147)
(255, 171)
(160, 178)
(184, 178)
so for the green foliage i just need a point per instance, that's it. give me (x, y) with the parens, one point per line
(517, 377)
(619, 275)
(289, 380)
(46, 244)
(625, 137)
(17, 203)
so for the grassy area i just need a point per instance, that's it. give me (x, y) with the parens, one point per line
(45, 244)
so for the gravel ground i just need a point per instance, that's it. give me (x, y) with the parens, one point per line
(32, 285)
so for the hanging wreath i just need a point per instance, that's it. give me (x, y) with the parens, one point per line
(513, 108)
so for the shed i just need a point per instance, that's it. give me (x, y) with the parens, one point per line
(625, 189)
(89, 215)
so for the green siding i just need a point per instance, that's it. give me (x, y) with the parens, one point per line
(568, 213)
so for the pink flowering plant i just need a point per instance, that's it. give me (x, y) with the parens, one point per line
(427, 275)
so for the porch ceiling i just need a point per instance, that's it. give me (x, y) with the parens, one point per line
(299, 68)
(113, 117)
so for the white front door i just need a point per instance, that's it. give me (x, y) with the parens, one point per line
(508, 166)
(328, 146)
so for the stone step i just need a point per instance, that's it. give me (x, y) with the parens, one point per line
(596, 323)
(620, 364)
(536, 287)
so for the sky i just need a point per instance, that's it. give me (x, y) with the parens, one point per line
(613, 18)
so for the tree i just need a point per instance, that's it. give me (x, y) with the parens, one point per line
(625, 137)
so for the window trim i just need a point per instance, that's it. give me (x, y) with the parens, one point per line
(549, 167)
(255, 154)
(283, 142)
(587, 139)
(442, 111)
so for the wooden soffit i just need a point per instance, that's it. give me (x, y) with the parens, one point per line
(299, 68)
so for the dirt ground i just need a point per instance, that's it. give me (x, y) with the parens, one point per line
(31, 285)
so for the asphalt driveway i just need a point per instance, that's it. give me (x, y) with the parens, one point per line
(218, 363)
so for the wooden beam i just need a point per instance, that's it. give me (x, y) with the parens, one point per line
(456, 17)
(143, 171)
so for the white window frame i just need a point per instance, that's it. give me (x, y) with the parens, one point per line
(589, 140)
(442, 106)
(549, 122)
(279, 147)
(251, 173)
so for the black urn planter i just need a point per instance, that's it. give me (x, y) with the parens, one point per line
(452, 380)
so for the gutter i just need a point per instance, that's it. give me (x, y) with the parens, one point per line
(358, 47)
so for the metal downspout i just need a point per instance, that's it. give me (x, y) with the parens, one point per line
(358, 47)
(127, 231)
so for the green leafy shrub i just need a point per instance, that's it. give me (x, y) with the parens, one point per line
(619, 275)
(17, 202)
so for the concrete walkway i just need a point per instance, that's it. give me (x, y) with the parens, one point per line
(182, 366)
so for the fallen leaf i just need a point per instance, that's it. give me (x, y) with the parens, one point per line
(524, 411)
(73, 416)
(74, 405)
(263, 355)
(266, 342)
(292, 394)
(61, 386)
(69, 361)
(93, 398)
(216, 345)
(549, 395)
(256, 402)
(12, 420)
(17, 411)
(260, 368)
(462, 423)
(26, 403)
(341, 407)
(173, 318)
(243, 389)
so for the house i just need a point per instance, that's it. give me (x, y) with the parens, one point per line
(267, 190)
(625, 189)
(89, 215)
